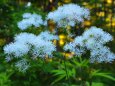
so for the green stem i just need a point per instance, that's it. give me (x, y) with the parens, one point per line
(67, 72)
(44, 65)
(83, 83)
(90, 83)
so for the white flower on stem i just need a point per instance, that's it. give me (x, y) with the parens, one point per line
(25, 38)
(27, 15)
(72, 47)
(27, 43)
(8, 58)
(92, 40)
(69, 14)
(46, 35)
(30, 20)
(43, 48)
(101, 54)
(98, 35)
(24, 24)
(16, 49)
(79, 40)
(22, 65)
(40, 45)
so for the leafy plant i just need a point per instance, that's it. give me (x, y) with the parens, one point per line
(4, 79)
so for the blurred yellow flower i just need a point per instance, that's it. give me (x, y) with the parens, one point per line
(2, 42)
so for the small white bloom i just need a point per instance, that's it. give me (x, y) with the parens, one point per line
(25, 38)
(78, 50)
(98, 35)
(45, 23)
(30, 20)
(43, 48)
(46, 35)
(24, 24)
(22, 65)
(27, 15)
(8, 58)
(16, 49)
(101, 54)
(79, 40)
(28, 4)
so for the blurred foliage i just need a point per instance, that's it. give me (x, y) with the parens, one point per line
(102, 15)
(79, 71)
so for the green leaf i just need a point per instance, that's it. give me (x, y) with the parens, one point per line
(95, 84)
(101, 74)
(106, 75)
(83, 63)
(58, 72)
(58, 79)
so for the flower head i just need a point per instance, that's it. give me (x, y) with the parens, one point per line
(93, 40)
(16, 49)
(28, 4)
(30, 20)
(26, 44)
(22, 65)
(24, 38)
(69, 14)
(39, 45)
(48, 36)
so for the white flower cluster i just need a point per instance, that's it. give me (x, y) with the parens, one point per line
(29, 20)
(40, 45)
(28, 4)
(22, 65)
(27, 43)
(69, 14)
(47, 36)
(93, 40)
(16, 49)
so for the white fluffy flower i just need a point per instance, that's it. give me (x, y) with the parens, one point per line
(48, 36)
(70, 46)
(27, 15)
(8, 58)
(30, 20)
(27, 43)
(16, 49)
(69, 14)
(25, 38)
(79, 40)
(78, 50)
(101, 54)
(93, 40)
(28, 4)
(98, 35)
(22, 65)
(42, 48)
(45, 23)
(40, 45)
(24, 24)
